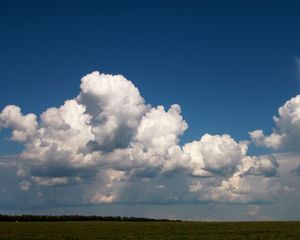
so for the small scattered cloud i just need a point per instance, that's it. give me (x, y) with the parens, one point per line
(25, 185)
(253, 210)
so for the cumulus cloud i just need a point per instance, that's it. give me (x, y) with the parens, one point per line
(115, 107)
(265, 165)
(22, 125)
(62, 136)
(286, 134)
(107, 145)
(159, 129)
(247, 189)
(214, 155)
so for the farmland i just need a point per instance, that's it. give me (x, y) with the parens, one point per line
(149, 230)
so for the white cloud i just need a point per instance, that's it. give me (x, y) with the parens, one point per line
(106, 145)
(115, 106)
(50, 181)
(160, 130)
(109, 190)
(155, 143)
(99, 198)
(245, 190)
(214, 155)
(265, 165)
(22, 125)
(287, 132)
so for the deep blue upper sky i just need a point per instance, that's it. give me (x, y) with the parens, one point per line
(229, 65)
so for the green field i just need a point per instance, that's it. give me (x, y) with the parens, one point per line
(149, 230)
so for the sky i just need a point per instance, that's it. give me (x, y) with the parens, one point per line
(164, 109)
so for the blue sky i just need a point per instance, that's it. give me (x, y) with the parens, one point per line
(229, 66)
(170, 52)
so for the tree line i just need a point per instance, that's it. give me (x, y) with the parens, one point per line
(62, 218)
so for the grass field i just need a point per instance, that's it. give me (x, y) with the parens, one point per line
(149, 230)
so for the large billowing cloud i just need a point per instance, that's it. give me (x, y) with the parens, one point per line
(215, 155)
(286, 134)
(115, 107)
(106, 145)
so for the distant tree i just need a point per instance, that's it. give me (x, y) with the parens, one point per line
(55, 218)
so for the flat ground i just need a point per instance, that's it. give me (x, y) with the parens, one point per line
(149, 230)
